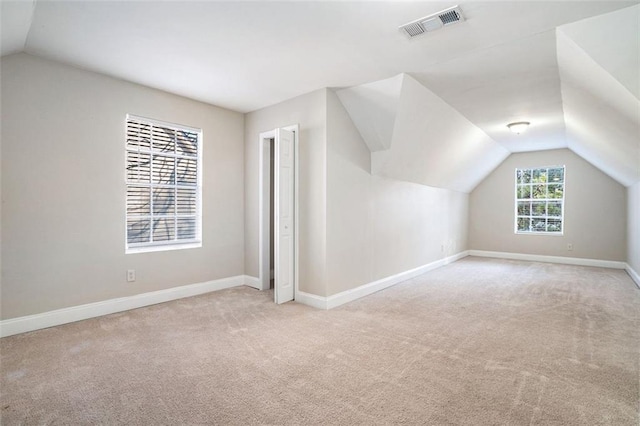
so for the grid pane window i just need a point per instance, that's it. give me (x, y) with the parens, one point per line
(539, 206)
(163, 170)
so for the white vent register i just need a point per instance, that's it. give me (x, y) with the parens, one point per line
(433, 22)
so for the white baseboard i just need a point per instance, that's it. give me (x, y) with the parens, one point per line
(252, 282)
(312, 300)
(372, 287)
(550, 259)
(633, 274)
(24, 324)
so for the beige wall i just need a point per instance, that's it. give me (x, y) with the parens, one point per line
(63, 190)
(309, 111)
(354, 227)
(378, 227)
(595, 211)
(633, 231)
(62, 186)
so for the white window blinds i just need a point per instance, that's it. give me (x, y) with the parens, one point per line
(163, 184)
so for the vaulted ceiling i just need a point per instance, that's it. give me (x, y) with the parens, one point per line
(438, 102)
(577, 84)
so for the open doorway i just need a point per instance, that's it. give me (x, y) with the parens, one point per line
(278, 213)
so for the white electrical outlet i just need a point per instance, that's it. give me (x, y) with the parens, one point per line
(569, 246)
(131, 275)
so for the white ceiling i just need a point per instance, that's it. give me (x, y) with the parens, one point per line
(577, 85)
(500, 65)
(618, 53)
(433, 144)
(601, 116)
(248, 55)
(514, 81)
(14, 25)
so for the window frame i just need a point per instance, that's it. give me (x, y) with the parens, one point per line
(174, 244)
(546, 200)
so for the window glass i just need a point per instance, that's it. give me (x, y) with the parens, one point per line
(539, 204)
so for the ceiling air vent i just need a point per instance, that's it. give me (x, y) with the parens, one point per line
(433, 22)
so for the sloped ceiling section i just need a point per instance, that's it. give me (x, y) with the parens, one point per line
(506, 83)
(578, 85)
(600, 97)
(373, 108)
(612, 41)
(16, 21)
(247, 55)
(431, 143)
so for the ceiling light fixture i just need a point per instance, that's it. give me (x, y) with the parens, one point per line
(518, 127)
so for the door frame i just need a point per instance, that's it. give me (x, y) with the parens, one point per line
(264, 225)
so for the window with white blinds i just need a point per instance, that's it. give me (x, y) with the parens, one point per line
(540, 200)
(163, 185)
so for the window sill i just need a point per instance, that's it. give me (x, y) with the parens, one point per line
(149, 249)
(553, 234)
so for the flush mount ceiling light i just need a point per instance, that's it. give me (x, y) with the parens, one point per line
(518, 127)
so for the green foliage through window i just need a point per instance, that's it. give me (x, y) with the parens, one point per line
(540, 200)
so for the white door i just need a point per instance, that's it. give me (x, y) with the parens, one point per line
(284, 221)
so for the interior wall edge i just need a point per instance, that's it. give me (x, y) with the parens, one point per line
(367, 289)
(313, 300)
(24, 324)
(64, 194)
(633, 274)
(613, 264)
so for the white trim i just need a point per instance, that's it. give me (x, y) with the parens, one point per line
(347, 296)
(253, 282)
(549, 259)
(176, 243)
(312, 300)
(27, 323)
(372, 287)
(162, 123)
(633, 274)
(163, 247)
(546, 200)
(263, 211)
(295, 128)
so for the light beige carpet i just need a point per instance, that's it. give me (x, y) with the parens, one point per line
(480, 341)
